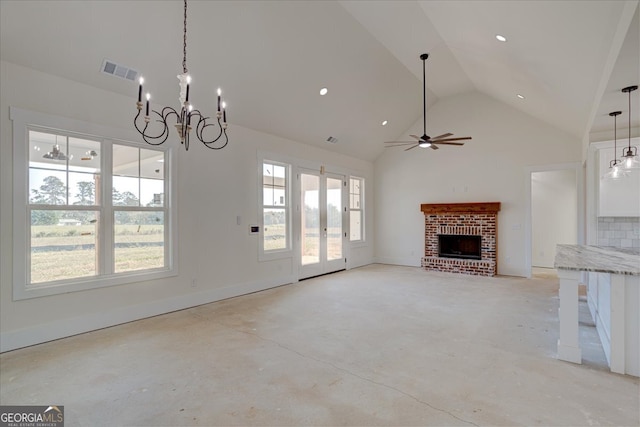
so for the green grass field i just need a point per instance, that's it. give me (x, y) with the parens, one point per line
(67, 252)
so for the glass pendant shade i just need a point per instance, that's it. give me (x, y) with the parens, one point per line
(616, 171)
(630, 161)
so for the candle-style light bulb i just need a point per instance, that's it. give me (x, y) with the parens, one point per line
(148, 98)
(224, 112)
(140, 89)
(219, 93)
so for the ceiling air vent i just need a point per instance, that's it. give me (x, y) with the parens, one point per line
(332, 140)
(110, 67)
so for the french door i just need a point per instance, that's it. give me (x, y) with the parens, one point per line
(322, 223)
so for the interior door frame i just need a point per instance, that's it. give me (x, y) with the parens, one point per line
(580, 190)
(323, 174)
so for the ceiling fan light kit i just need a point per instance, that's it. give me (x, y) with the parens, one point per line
(55, 154)
(425, 141)
(187, 113)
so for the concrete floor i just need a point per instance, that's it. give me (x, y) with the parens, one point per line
(378, 345)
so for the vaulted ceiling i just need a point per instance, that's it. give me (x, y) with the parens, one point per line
(569, 59)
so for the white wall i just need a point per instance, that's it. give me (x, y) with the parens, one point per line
(554, 214)
(213, 189)
(491, 167)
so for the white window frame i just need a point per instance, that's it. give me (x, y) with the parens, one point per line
(22, 122)
(267, 255)
(361, 209)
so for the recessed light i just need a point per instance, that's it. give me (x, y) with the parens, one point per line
(384, 123)
(324, 91)
(520, 96)
(501, 38)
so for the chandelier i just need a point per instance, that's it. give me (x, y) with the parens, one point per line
(630, 154)
(187, 118)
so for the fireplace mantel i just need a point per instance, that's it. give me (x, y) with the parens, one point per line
(446, 208)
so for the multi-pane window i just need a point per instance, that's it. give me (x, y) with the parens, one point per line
(138, 208)
(94, 210)
(356, 209)
(275, 206)
(63, 206)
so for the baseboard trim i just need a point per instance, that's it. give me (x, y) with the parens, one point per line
(407, 262)
(39, 334)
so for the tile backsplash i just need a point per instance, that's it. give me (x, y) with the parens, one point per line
(619, 232)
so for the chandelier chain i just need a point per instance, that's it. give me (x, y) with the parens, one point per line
(184, 44)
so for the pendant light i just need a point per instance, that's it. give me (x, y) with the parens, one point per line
(630, 154)
(615, 166)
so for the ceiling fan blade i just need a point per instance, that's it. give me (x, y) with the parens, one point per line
(398, 145)
(464, 138)
(407, 149)
(447, 143)
(434, 147)
(444, 135)
(416, 137)
(399, 142)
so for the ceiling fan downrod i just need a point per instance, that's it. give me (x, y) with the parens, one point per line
(424, 57)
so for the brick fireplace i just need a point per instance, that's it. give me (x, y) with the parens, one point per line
(453, 231)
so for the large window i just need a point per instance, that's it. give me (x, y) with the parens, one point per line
(275, 207)
(356, 209)
(89, 211)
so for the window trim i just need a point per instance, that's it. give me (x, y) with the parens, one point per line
(363, 237)
(22, 122)
(274, 254)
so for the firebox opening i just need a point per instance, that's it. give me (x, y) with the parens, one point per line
(459, 246)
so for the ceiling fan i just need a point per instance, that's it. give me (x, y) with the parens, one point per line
(425, 141)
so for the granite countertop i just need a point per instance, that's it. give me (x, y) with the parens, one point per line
(600, 259)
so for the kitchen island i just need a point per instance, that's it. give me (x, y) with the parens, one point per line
(614, 303)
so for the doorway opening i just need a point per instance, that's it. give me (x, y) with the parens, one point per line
(554, 216)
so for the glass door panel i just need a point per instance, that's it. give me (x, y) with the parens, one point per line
(310, 219)
(334, 219)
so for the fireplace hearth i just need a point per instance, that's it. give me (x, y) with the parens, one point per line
(461, 237)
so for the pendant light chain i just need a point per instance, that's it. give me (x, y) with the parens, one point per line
(615, 138)
(184, 44)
